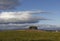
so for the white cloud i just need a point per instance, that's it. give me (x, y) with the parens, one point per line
(20, 17)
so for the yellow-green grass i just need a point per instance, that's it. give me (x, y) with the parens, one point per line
(29, 35)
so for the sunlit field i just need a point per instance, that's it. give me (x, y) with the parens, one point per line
(29, 35)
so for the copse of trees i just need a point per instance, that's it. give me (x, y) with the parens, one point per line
(33, 27)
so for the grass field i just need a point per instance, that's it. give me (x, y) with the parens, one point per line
(29, 35)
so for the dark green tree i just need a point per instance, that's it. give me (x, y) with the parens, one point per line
(33, 27)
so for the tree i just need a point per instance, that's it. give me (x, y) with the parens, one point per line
(33, 27)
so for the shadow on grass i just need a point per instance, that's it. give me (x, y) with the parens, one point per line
(28, 40)
(42, 40)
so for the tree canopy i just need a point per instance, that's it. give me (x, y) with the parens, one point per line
(33, 27)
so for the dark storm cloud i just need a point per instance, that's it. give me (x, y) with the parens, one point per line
(8, 4)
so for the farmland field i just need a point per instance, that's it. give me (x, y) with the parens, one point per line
(29, 35)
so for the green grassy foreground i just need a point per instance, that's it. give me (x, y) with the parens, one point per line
(27, 35)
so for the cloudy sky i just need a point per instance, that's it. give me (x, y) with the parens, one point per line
(30, 11)
(52, 6)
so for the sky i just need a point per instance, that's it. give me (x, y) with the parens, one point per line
(30, 11)
(52, 6)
